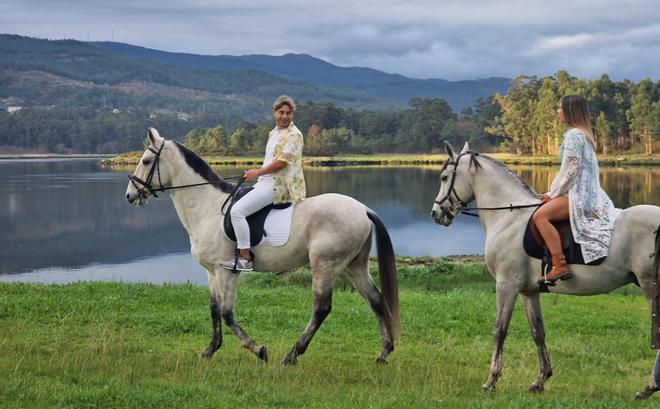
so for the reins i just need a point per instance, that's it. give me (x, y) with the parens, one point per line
(230, 198)
(451, 190)
(155, 168)
(510, 207)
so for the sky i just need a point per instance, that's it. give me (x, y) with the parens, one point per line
(448, 39)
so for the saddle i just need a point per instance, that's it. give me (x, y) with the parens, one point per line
(255, 221)
(535, 247)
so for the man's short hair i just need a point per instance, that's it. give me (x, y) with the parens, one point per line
(284, 100)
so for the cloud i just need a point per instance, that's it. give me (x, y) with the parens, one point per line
(562, 43)
(451, 39)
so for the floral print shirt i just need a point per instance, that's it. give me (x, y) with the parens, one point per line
(289, 182)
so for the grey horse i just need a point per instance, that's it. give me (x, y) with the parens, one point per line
(633, 253)
(331, 232)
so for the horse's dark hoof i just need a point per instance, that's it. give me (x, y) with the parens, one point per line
(263, 353)
(289, 360)
(536, 388)
(206, 354)
(380, 361)
(648, 391)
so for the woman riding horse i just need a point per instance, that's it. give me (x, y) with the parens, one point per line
(575, 194)
(280, 179)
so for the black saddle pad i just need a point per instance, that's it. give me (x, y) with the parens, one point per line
(255, 220)
(534, 246)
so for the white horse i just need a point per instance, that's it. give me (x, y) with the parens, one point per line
(331, 232)
(633, 254)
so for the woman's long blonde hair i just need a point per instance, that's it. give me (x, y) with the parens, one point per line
(576, 114)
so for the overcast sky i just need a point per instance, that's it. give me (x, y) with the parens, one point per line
(455, 39)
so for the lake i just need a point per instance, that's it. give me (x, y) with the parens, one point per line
(64, 220)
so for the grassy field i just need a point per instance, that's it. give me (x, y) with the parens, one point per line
(115, 345)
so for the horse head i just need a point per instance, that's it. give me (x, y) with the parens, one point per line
(150, 175)
(455, 188)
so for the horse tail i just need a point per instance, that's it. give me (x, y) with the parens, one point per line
(388, 279)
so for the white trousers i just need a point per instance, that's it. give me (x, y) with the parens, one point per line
(258, 198)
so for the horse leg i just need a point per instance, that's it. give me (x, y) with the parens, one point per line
(506, 299)
(653, 384)
(358, 273)
(227, 297)
(654, 381)
(535, 320)
(322, 285)
(216, 337)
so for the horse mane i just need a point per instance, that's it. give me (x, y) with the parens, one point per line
(512, 176)
(203, 169)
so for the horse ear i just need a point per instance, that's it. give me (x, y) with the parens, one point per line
(466, 147)
(154, 137)
(449, 150)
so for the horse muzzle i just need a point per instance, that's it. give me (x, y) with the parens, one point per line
(442, 216)
(137, 198)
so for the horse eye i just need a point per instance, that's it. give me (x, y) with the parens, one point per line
(443, 178)
(146, 162)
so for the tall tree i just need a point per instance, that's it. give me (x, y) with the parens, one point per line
(641, 114)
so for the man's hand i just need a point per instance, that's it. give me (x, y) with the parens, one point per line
(251, 174)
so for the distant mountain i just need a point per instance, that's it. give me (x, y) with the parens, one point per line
(302, 67)
(36, 72)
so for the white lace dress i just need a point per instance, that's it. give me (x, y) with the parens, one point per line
(592, 213)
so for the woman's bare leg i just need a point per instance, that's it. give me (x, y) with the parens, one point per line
(553, 211)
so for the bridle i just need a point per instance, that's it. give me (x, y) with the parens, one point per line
(147, 186)
(453, 201)
(451, 190)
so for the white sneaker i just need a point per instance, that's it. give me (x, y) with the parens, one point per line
(241, 264)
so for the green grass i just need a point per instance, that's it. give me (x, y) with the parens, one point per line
(110, 345)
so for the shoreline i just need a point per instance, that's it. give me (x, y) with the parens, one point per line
(132, 158)
(21, 156)
(374, 160)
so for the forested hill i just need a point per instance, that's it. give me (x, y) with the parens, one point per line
(302, 67)
(38, 72)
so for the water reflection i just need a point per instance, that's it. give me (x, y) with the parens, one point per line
(67, 219)
(625, 186)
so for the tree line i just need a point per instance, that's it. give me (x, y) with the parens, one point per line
(626, 118)
(331, 130)
(625, 115)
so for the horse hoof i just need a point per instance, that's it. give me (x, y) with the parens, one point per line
(263, 353)
(536, 388)
(488, 387)
(380, 361)
(290, 361)
(645, 393)
(206, 354)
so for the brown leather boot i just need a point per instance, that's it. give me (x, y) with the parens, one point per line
(559, 269)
